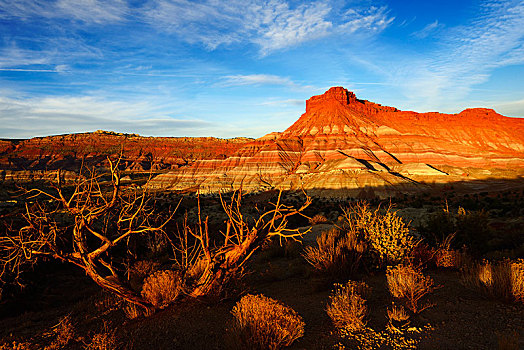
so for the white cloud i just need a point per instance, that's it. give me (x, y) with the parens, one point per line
(511, 108)
(28, 117)
(256, 79)
(288, 102)
(428, 30)
(93, 11)
(13, 56)
(373, 19)
(87, 11)
(292, 27)
(272, 25)
(465, 56)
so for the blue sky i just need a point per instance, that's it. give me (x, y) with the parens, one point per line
(245, 67)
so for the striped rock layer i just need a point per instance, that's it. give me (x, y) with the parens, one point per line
(342, 145)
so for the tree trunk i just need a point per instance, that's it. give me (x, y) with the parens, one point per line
(116, 287)
(224, 266)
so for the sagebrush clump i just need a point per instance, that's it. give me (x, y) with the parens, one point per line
(265, 323)
(162, 288)
(361, 234)
(387, 235)
(347, 306)
(338, 253)
(407, 283)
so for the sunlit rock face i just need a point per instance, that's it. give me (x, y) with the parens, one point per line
(39, 158)
(342, 145)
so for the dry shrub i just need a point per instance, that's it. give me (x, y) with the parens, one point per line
(139, 271)
(63, 333)
(504, 279)
(264, 323)
(133, 311)
(388, 236)
(398, 318)
(107, 302)
(18, 346)
(347, 307)
(508, 341)
(318, 219)
(409, 284)
(143, 268)
(105, 340)
(517, 280)
(197, 268)
(448, 258)
(398, 314)
(337, 253)
(162, 288)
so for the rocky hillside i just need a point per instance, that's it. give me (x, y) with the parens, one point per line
(37, 157)
(343, 145)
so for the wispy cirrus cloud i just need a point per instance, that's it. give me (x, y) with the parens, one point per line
(513, 108)
(466, 56)
(56, 55)
(271, 25)
(27, 117)
(288, 102)
(87, 11)
(372, 19)
(255, 79)
(428, 30)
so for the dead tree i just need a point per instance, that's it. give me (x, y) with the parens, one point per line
(91, 224)
(220, 262)
(83, 227)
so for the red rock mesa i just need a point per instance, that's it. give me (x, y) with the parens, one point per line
(342, 145)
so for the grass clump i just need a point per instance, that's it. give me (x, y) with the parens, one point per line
(265, 323)
(398, 318)
(362, 234)
(104, 340)
(338, 253)
(504, 279)
(162, 288)
(318, 219)
(407, 283)
(63, 334)
(347, 307)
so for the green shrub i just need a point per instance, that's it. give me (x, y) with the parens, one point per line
(469, 228)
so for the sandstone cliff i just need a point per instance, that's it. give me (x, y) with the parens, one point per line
(345, 146)
(38, 157)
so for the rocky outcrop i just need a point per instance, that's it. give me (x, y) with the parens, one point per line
(38, 158)
(342, 145)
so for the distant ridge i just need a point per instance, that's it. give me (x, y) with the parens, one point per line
(37, 158)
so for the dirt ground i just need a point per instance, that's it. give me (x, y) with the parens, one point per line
(460, 318)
